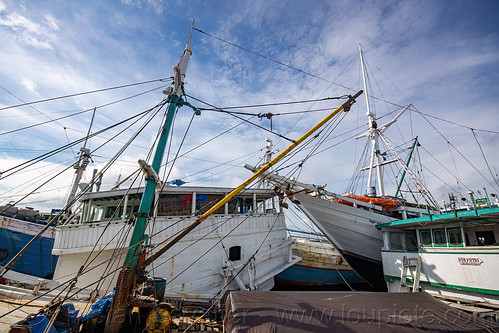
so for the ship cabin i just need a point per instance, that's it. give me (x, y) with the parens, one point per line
(465, 228)
(173, 201)
(28, 214)
(454, 254)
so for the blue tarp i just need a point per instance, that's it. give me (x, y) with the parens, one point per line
(98, 307)
(39, 323)
(178, 182)
(201, 198)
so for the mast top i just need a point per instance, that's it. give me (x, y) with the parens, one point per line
(180, 70)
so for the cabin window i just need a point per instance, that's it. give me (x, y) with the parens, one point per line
(110, 212)
(485, 238)
(174, 204)
(455, 238)
(205, 201)
(240, 205)
(235, 253)
(412, 215)
(425, 237)
(439, 238)
(96, 214)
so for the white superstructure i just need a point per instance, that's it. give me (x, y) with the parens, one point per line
(242, 245)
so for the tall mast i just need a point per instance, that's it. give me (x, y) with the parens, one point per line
(127, 276)
(373, 134)
(80, 167)
(152, 171)
(267, 157)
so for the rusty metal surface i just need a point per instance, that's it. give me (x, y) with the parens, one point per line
(118, 313)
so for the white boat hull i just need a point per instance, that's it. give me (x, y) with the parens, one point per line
(195, 268)
(467, 272)
(352, 231)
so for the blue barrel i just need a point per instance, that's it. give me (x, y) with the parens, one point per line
(155, 287)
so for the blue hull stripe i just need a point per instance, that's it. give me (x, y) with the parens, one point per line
(37, 261)
(316, 276)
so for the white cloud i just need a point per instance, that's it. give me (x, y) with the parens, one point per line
(29, 84)
(52, 22)
(102, 45)
(18, 22)
(156, 5)
(26, 30)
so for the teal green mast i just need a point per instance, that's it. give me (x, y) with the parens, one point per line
(152, 179)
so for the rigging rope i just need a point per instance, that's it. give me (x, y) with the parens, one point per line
(83, 93)
(483, 155)
(32, 107)
(276, 104)
(268, 58)
(462, 155)
(80, 112)
(231, 166)
(246, 120)
(62, 148)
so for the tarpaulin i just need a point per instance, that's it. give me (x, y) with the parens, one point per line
(327, 311)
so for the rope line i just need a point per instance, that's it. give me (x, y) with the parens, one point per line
(82, 93)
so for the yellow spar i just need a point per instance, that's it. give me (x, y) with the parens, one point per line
(345, 106)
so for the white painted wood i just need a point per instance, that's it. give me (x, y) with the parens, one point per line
(186, 275)
(348, 228)
(444, 266)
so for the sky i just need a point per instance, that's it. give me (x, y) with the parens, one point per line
(442, 56)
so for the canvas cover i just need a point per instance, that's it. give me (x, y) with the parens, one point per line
(328, 311)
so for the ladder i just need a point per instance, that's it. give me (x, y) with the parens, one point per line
(407, 272)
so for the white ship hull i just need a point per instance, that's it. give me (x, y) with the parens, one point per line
(469, 272)
(352, 231)
(188, 273)
(455, 254)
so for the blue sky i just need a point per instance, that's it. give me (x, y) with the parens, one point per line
(443, 56)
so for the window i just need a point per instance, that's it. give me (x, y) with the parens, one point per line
(455, 238)
(425, 237)
(485, 237)
(205, 201)
(110, 212)
(235, 253)
(439, 238)
(174, 204)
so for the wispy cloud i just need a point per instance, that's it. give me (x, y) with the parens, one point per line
(156, 5)
(37, 35)
(424, 52)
